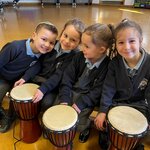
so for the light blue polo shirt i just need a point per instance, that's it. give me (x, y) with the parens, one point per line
(29, 50)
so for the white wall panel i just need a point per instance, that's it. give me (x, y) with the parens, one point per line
(128, 2)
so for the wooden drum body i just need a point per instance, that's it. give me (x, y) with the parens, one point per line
(60, 124)
(126, 126)
(27, 111)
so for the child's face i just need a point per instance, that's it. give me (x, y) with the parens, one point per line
(128, 43)
(70, 38)
(90, 50)
(43, 41)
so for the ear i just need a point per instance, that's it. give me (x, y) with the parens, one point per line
(33, 35)
(103, 49)
(141, 39)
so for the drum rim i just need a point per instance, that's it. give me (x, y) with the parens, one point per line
(21, 101)
(123, 133)
(57, 131)
(126, 134)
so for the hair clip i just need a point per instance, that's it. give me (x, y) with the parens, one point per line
(125, 20)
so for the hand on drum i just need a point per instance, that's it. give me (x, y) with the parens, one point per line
(19, 82)
(100, 121)
(37, 96)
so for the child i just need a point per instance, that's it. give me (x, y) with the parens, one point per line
(83, 79)
(18, 59)
(54, 63)
(126, 73)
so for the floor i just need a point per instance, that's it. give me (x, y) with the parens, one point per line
(19, 23)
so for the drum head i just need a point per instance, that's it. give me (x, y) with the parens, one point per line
(127, 120)
(60, 118)
(23, 92)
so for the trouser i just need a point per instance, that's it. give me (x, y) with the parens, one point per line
(5, 86)
(48, 100)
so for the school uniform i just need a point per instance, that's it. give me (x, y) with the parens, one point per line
(53, 66)
(17, 61)
(82, 84)
(126, 86)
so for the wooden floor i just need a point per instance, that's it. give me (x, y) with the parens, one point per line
(19, 23)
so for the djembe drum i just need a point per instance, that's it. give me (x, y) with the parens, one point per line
(126, 126)
(27, 111)
(59, 124)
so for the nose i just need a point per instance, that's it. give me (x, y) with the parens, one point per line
(67, 40)
(127, 45)
(47, 44)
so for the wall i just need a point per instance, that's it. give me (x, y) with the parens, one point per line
(128, 2)
(23, 1)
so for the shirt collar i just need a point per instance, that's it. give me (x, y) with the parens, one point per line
(59, 50)
(96, 64)
(138, 64)
(29, 50)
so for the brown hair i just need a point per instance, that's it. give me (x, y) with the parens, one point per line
(46, 25)
(126, 23)
(78, 25)
(102, 34)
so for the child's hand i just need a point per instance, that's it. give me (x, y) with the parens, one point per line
(76, 108)
(37, 96)
(99, 121)
(19, 82)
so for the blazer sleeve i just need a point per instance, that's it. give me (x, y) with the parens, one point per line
(68, 80)
(7, 54)
(32, 71)
(109, 88)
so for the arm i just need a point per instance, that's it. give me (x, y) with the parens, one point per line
(68, 80)
(108, 92)
(54, 80)
(32, 71)
(7, 54)
(48, 85)
(55, 77)
(109, 88)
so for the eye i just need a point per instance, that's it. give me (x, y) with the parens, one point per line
(73, 40)
(132, 41)
(85, 46)
(65, 35)
(52, 43)
(44, 39)
(120, 43)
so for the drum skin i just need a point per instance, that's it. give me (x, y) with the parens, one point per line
(121, 121)
(27, 112)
